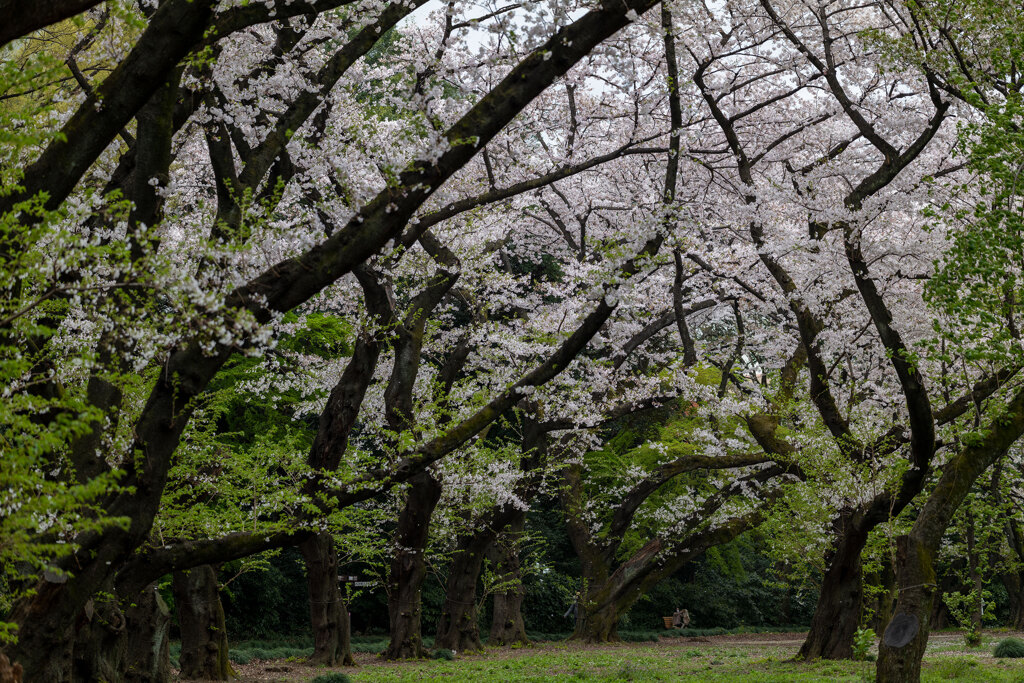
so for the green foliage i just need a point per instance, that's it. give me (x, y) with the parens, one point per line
(731, 586)
(978, 285)
(269, 602)
(335, 677)
(1009, 647)
(974, 553)
(444, 654)
(324, 335)
(863, 642)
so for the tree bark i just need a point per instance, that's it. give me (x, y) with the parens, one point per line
(507, 625)
(149, 638)
(459, 627)
(100, 644)
(838, 611)
(599, 625)
(408, 569)
(204, 638)
(1015, 590)
(901, 663)
(606, 601)
(1014, 580)
(332, 638)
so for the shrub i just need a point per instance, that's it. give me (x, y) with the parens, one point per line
(444, 654)
(1009, 647)
(863, 641)
(336, 677)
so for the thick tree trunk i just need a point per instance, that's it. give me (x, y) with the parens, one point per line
(597, 625)
(332, 644)
(459, 627)
(149, 637)
(905, 639)
(204, 638)
(1014, 583)
(606, 601)
(45, 634)
(124, 646)
(100, 646)
(1014, 580)
(837, 614)
(507, 625)
(408, 568)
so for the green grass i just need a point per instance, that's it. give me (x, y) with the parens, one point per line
(246, 651)
(648, 662)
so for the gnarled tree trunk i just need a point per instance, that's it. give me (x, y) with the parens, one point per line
(838, 611)
(100, 645)
(459, 628)
(204, 638)
(328, 612)
(606, 601)
(149, 637)
(507, 625)
(123, 645)
(408, 568)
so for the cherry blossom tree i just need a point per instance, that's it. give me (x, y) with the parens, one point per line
(147, 86)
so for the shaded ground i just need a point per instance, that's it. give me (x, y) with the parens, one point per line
(736, 658)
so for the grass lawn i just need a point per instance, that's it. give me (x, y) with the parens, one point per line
(732, 659)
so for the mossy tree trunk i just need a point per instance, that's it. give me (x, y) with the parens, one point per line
(149, 637)
(459, 629)
(409, 569)
(1013, 580)
(916, 551)
(882, 604)
(1015, 590)
(204, 638)
(332, 642)
(839, 607)
(901, 662)
(507, 625)
(100, 644)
